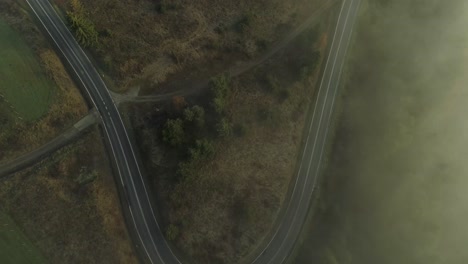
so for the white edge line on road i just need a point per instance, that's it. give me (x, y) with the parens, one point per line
(308, 133)
(320, 124)
(138, 232)
(107, 134)
(329, 114)
(126, 134)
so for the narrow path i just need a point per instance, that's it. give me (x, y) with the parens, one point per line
(28, 159)
(191, 88)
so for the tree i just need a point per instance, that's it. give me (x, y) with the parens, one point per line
(203, 149)
(173, 132)
(84, 29)
(195, 115)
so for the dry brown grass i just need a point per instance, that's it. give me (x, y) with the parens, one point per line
(134, 36)
(68, 222)
(235, 200)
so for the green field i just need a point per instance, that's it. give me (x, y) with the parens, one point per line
(14, 246)
(24, 87)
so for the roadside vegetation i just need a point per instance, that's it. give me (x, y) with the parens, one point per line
(84, 29)
(38, 100)
(221, 161)
(68, 206)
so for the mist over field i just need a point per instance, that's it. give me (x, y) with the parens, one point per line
(397, 180)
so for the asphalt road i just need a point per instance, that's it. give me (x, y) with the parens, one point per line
(281, 243)
(150, 239)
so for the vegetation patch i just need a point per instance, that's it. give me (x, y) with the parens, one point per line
(24, 87)
(84, 29)
(222, 160)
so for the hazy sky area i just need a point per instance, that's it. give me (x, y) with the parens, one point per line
(400, 162)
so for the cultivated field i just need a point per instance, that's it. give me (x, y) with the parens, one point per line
(15, 248)
(24, 86)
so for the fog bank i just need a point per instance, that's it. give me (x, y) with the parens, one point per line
(398, 175)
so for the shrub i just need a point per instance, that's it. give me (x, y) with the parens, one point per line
(172, 232)
(283, 94)
(195, 115)
(224, 128)
(86, 176)
(219, 104)
(220, 86)
(243, 23)
(173, 132)
(309, 64)
(219, 91)
(164, 6)
(268, 115)
(185, 169)
(203, 149)
(272, 84)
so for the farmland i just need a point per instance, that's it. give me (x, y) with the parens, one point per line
(14, 246)
(24, 86)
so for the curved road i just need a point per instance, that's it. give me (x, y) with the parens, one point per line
(281, 243)
(28, 159)
(134, 192)
(141, 217)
